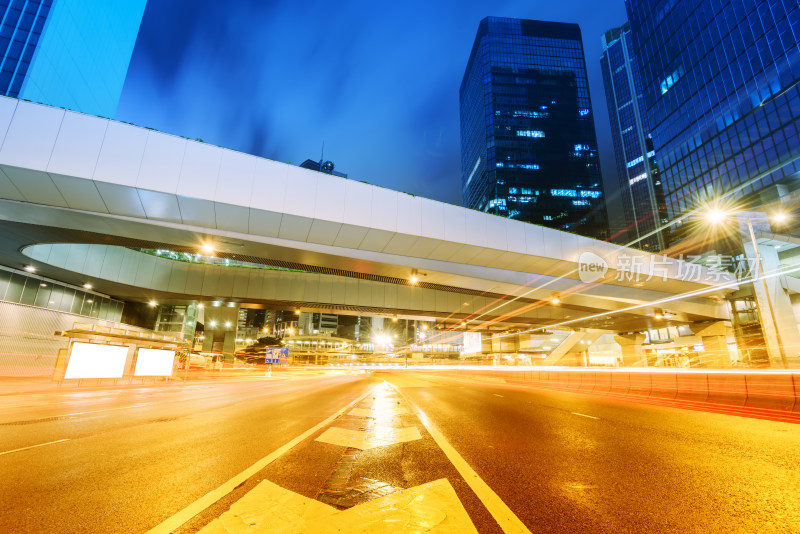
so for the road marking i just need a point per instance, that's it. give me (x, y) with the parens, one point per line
(379, 412)
(496, 395)
(584, 415)
(431, 507)
(378, 436)
(500, 511)
(213, 496)
(34, 446)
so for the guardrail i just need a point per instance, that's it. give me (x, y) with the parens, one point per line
(775, 390)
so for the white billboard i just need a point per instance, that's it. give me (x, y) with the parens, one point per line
(472, 342)
(154, 362)
(92, 360)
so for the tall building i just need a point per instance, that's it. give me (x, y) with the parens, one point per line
(720, 81)
(68, 53)
(640, 184)
(528, 145)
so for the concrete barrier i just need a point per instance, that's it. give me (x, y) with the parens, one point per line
(692, 386)
(620, 382)
(602, 382)
(664, 385)
(726, 388)
(758, 389)
(641, 384)
(768, 390)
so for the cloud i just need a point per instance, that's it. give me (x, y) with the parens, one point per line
(376, 82)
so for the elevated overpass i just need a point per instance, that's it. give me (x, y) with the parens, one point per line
(87, 199)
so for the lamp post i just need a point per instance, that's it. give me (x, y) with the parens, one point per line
(716, 216)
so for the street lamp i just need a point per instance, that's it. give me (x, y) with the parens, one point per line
(716, 216)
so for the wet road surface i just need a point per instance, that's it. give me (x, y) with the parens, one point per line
(386, 452)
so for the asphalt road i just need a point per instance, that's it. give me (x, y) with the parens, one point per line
(561, 462)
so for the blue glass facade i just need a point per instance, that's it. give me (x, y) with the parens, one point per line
(68, 53)
(640, 183)
(528, 146)
(720, 81)
(20, 29)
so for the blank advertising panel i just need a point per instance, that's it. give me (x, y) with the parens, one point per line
(91, 360)
(154, 362)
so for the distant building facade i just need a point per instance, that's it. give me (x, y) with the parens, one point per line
(528, 145)
(318, 323)
(721, 85)
(640, 184)
(68, 53)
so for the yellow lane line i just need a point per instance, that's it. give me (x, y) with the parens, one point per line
(213, 496)
(500, 511)
(584, 415)
(34, 446)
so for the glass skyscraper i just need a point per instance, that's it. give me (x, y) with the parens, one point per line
(720, 81)
(528, 145)
(68, 53)
(640, 183)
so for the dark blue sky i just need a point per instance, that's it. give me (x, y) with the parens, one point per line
(376, 81)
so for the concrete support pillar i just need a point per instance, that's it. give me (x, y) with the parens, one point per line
(130, 364)
(716, 350)
(631, 345)
(220, 328)
(775, 312)
(572, 350)
(714, 335)
(229, 345)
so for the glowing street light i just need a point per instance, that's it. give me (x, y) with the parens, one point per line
(207, 248)
(716, 215)
(555, 300)
(152, 303)
(780, 217)
(382, 339)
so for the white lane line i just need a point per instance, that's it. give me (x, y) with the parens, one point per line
(213, 496)
(496, 395)
(584, 415)
(500, 511)
(34, 446)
